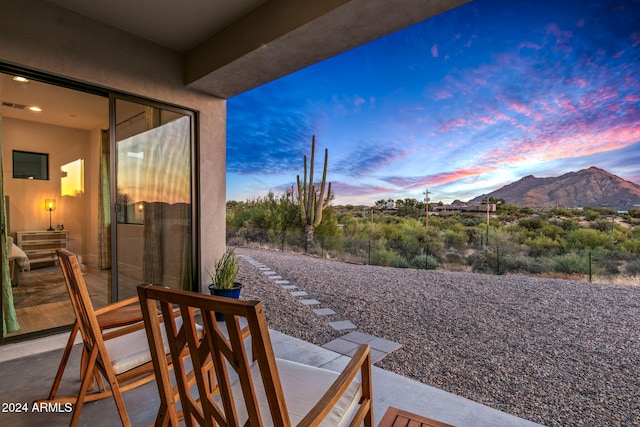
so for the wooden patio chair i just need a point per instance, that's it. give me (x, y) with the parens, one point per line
(121, 356)
(266, 391)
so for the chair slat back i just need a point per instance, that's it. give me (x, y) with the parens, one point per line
(213, 403)
(82, 305)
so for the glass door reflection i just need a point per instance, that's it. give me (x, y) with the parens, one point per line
(153, 197)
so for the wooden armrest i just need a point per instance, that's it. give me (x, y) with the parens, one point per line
(116, 332)
(360, 360)
(116, 305)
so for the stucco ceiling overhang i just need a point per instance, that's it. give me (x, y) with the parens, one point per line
(231, 46)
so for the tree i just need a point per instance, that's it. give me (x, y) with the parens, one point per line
(312, 200)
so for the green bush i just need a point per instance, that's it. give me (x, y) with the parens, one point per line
(426, 262)
(633, 268)
(588, 238)
(632, 245)
(482, 262)
(571, 263)
(542, 245)
(453, 258)
(456, 239)
(399, 262)
(383, 257)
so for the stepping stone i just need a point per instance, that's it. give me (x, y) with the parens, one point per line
(341, 346)
(289, 287)
(298, 294)
(269, 273)
(282, 282)
(323, 311)
(275, 277)
(383, 345)
(342, 325)
(358, 337)
(309, 301)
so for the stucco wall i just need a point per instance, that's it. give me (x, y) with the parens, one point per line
(43, 37)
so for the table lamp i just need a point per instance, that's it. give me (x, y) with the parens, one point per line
(50, 205)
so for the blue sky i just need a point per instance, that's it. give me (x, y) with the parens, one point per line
(460, 104)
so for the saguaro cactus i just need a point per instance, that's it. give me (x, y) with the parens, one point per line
(312, 201)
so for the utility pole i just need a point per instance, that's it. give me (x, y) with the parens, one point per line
(426, 208)
(486, 201)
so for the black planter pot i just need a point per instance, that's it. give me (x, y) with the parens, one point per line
(227, 293)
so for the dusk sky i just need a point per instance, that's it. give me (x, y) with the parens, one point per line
(461, 104)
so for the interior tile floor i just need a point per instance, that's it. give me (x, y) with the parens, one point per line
(42, 314)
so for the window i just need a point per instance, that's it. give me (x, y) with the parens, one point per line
(28, 165)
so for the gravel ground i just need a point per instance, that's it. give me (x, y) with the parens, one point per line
(557, 352)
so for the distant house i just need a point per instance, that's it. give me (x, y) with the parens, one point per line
(460, 208)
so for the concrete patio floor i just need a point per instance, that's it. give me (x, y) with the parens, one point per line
(27, 371)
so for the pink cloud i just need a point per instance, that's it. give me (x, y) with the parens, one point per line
(562, 37)
(529, 45)
(635, 38)
(579, 141)
(454, 123)
(343, 189)
(442, 94)
(520, 108)
(434, 50)
(416, 183)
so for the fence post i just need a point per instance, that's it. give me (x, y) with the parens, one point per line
(497, 259)
(590, 271)
(369, 254)
(322, 245)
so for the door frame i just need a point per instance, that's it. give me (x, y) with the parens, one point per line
(111, 94)
(195, 189)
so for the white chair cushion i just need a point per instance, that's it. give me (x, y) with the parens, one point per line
(303, 386)
(132, 350)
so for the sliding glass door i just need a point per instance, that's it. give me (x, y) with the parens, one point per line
(152, 196)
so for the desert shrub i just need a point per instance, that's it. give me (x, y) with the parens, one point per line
(425, 261)
(512, 263)
(384, 257)
(355, 246)
(453, 258)
(607, 263)
(632, 268)
(455, 238)
(591, 214)
(571, 263)
(541, 245)
(482, 262)
(588, 238)
(399, 262)
(632, 245)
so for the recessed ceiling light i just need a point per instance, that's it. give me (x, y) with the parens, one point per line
(36, 109)
(20, 79)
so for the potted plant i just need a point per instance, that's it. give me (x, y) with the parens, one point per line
(223, 276)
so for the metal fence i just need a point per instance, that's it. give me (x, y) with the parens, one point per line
(479, 258)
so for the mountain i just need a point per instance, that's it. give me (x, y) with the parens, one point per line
(588, 187)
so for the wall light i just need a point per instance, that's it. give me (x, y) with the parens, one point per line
(50, 205)
(20, 79)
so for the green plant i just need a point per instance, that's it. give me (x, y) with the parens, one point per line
(225, 270)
